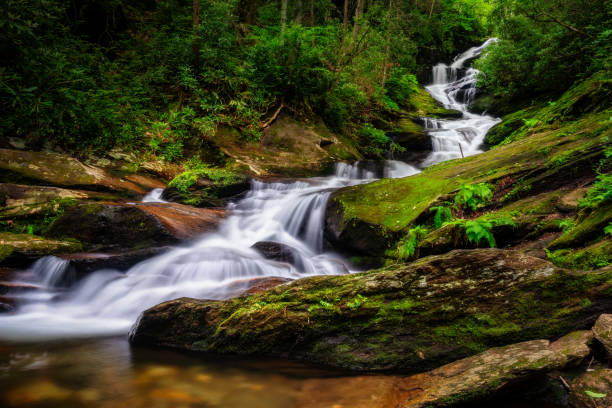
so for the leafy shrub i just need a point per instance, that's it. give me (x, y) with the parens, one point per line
(608, 229)
(401, 85)
(375, 140)
(473, 196)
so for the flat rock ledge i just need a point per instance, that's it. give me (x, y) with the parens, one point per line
(459, 382)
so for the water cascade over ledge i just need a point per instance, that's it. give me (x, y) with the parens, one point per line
(454, 86)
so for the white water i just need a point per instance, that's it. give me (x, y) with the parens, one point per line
(215, 267)
(455, 87)
(154, 196)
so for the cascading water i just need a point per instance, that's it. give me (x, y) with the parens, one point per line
(108, 302)
(154, 196)
(216, 267)
(455, 87)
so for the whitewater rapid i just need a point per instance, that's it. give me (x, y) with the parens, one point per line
(217, 266)
(454, 86)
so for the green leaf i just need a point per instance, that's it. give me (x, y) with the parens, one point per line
(595, 394)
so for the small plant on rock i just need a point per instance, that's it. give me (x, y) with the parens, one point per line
(473, 196)
(410, 245)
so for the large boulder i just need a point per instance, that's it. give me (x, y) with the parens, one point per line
(83, 263)
(60, 170)
(405, 317)
(118, 226)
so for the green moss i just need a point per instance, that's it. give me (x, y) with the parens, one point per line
(5, 252)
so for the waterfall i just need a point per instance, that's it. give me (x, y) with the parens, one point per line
(108, 302)
(217, 265)
(455, 87)
(154, 196)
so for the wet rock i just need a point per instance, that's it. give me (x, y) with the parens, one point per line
(475, 377)
(59, 170)
(255, 285)
(278, 252)
(19, 250)
(117, 226)
(83, 264)
(592, 389)
(5, 308)
(410, 135)
(411, 317)
(603, 332)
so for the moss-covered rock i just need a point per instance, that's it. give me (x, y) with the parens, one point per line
(19, 250)
(405, 317)
(547, 154)
(17, 166)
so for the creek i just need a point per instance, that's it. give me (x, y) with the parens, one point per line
(67, 344)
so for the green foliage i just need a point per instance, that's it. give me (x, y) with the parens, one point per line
(593, 394)
(473, 196)
(540, 55)
(376, 141)
(442, 215)
(196, 170)
(408, 248)
(477, 231)
(357, 301)
(600, 193)
(88, 76)
(608, 229)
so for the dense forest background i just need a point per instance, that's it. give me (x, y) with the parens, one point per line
(160, 76)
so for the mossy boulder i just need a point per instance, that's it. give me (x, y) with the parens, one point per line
(19, 250)
(411, 317)
(544, 157)
(41, 168)
(410, 135)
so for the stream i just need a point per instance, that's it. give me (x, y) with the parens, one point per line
(68, 345)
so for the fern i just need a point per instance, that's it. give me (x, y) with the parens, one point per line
(476, 231)
(608, 229)
(473, 196)
(442, 215)
(409, 248)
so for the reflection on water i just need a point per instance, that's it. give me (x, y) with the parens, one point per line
(108, 373)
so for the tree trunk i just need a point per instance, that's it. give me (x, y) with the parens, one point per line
(385, 67)
(312, 13)
(358, 15)
(345, 20)
(299, 11)
(196, 39)
(433, 3)
(283, 16)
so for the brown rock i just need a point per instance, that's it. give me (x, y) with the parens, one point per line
(477, 376)
(603, 332)
(60, 170)
(120, 226)
(255, 285)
